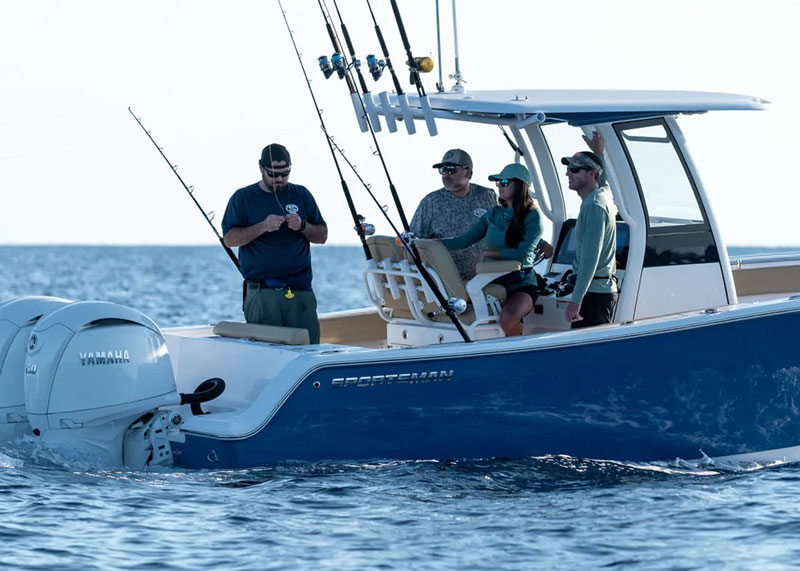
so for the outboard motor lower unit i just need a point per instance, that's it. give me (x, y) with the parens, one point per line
(96, 371)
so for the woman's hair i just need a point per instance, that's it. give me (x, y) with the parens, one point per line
(521, 203)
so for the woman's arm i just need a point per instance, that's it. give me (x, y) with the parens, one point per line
(468, 238)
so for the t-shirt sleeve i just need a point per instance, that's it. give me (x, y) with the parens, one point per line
(235, 216)
(314, 216)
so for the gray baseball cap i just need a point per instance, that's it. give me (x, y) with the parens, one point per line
(455, 157)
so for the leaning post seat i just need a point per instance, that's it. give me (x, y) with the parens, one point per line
(484, 298)
(398, 290)
(385, 272)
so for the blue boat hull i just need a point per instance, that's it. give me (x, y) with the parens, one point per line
(722, 389)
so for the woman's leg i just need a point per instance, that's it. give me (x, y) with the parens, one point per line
(518, 305)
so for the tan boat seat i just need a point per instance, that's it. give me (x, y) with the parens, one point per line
(268, 333)
(436, 255)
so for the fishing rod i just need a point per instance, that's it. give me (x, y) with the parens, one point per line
(338, 64)
(402, 98)
(360, 227)
(357, 218)
(378, 152)
(445, 304)
(415, 65)
(407, 242)
(367, 101)
(209, 216)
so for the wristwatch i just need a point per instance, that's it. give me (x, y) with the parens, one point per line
(302, 225)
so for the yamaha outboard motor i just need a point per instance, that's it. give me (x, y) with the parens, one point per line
(17, 318)
(96, 377)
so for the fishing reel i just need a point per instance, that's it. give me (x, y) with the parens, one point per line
(406, 238)
(335, 64)
(375, 66)
(457, 304)
(419, 65)
(364, 227)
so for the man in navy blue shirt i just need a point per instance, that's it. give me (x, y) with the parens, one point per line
(273, 222)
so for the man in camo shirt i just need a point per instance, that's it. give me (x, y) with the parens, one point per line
(453, 209)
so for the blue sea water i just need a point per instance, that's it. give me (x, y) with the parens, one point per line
(551, 512)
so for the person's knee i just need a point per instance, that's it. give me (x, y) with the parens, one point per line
(511, 324)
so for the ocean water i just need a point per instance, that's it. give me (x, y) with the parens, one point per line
(552, 512)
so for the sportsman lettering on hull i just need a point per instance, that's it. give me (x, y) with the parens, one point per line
(391, 379)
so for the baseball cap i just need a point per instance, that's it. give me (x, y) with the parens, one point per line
(275, 153)
(586, 160)
(455, 157)
(514, 170)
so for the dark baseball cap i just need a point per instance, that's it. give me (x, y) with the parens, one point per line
(275, 153)
(456, 158)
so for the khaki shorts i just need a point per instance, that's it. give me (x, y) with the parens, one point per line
(271, 307)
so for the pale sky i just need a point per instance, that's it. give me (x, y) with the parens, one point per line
(214, 82)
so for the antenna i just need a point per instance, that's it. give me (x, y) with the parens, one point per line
(460, 81)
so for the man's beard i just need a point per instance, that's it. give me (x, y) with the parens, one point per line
(275, 187)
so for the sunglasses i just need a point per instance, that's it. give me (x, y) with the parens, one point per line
(505, 182)
(449, 170)
(276, 174)
(577, 169)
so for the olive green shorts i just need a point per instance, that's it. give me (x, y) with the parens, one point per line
(271, 307)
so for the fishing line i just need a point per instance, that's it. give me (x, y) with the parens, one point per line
(378, 152)
(209, 216)
(402, 98)
(410, 248)
(357, 219)
(415, 65)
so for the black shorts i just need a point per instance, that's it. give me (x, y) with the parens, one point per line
(530, 289)
(596, 309)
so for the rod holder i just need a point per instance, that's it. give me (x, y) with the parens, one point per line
(407, 116)
(362, 121)
(388, 112)
(372, 112)
(427, 112)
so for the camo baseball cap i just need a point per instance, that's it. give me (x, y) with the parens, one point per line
(514, 170)
(584, 160)
(456, 158)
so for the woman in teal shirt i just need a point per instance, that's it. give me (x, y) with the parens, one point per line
(512, 231)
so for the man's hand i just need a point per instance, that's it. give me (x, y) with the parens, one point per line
(294, 222)
(597, 144)
(273, 222)
(572, 314)
(546, 249)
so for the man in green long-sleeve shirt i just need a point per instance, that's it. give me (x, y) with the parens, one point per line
(594, 297)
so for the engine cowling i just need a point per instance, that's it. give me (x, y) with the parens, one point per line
(92, 370)
(17, 318)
